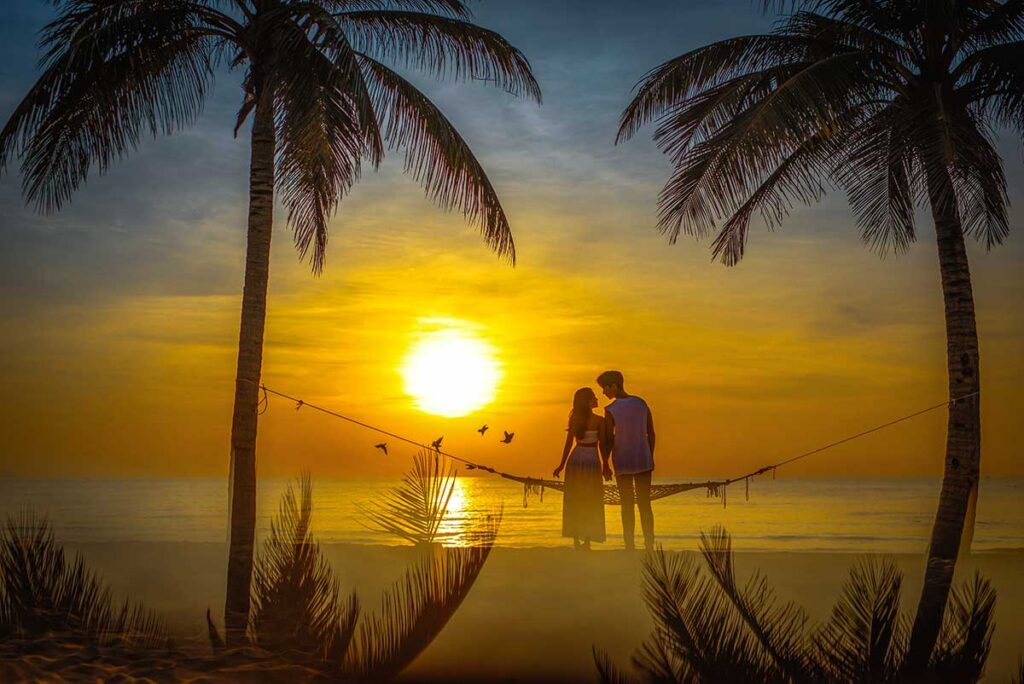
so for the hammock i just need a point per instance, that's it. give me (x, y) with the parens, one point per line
(715, 488)
(532, 485)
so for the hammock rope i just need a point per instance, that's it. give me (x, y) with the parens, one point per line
(536, 485)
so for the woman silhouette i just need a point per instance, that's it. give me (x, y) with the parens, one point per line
(583, 502)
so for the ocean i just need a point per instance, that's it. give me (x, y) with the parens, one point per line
(787, 514)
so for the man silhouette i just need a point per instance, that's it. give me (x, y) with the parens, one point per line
(630, 436)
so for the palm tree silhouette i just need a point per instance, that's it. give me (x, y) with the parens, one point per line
(321, 99)
(893, 102)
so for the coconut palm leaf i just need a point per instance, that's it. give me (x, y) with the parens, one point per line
(436, 155)
(415, 610)
(43, 596)
(297, 606)
(320, 141)
(865, 637)
(698, 635)
(708, 629)
(966, 638)
(113, 71)
(777, 627)
(442, 46)
(416, 509)
(607, 671)
(450, 8)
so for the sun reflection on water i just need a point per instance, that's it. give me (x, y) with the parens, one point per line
(457, 529)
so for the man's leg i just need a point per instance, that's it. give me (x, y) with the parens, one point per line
(643, 502)
(625, 483)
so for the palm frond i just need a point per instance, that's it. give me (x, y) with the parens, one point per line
(708, 629)
(297, 608)
(796, 179)
(992, 81)
(716, 175)
(416, 510)
(415, 610)
(880, 176)
(442, 46)
(698, 635)
(436, 155)
(607, 671)
(966, 638)
(999, 22)
(450, 8)
(320, 139)
(777, 627)
(44, 596)
(113, 71)
(667, 86)
(865, 636)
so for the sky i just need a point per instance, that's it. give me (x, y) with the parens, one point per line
(119, 315)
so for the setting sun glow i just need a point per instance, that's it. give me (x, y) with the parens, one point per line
(450, 372)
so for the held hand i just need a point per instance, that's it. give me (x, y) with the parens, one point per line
(607, 472)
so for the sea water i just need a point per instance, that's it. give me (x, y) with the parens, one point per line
(787, 514)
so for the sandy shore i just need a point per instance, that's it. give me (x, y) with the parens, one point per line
(534, 614)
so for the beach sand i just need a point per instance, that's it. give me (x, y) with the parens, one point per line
(534, 614)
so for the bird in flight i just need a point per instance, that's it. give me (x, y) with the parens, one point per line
(483, 430)
(508, 437)
(383, 446)
(437, 443)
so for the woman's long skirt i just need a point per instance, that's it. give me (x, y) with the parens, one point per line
(583, 500)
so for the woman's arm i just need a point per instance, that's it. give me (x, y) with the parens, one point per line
(565, 453)
(605, 441)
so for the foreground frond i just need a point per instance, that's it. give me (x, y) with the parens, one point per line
(416, 509)
(436, 155)
(415, 610)
(865, 636)
(44, 597)
(698, 636)
(709, 629)
(778, 627)
(297, 606)
(966, 637)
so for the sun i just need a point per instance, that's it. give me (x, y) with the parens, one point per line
(450, 371)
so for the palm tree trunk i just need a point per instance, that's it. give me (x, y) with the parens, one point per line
(963, 431)
(250, 361)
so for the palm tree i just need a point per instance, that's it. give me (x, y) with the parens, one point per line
(710, 628)
(321, 100)
(893, 101)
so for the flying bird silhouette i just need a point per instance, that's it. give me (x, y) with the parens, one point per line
(508, 437)
(383, 446)
(483, 430)
(437, 443)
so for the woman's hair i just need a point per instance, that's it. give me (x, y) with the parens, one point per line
(582, 409)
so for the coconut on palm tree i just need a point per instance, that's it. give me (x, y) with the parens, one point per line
(893, 101)
(322, 101)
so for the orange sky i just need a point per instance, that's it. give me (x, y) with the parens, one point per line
(120, 315)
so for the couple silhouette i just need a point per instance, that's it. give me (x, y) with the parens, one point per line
(619, 443)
